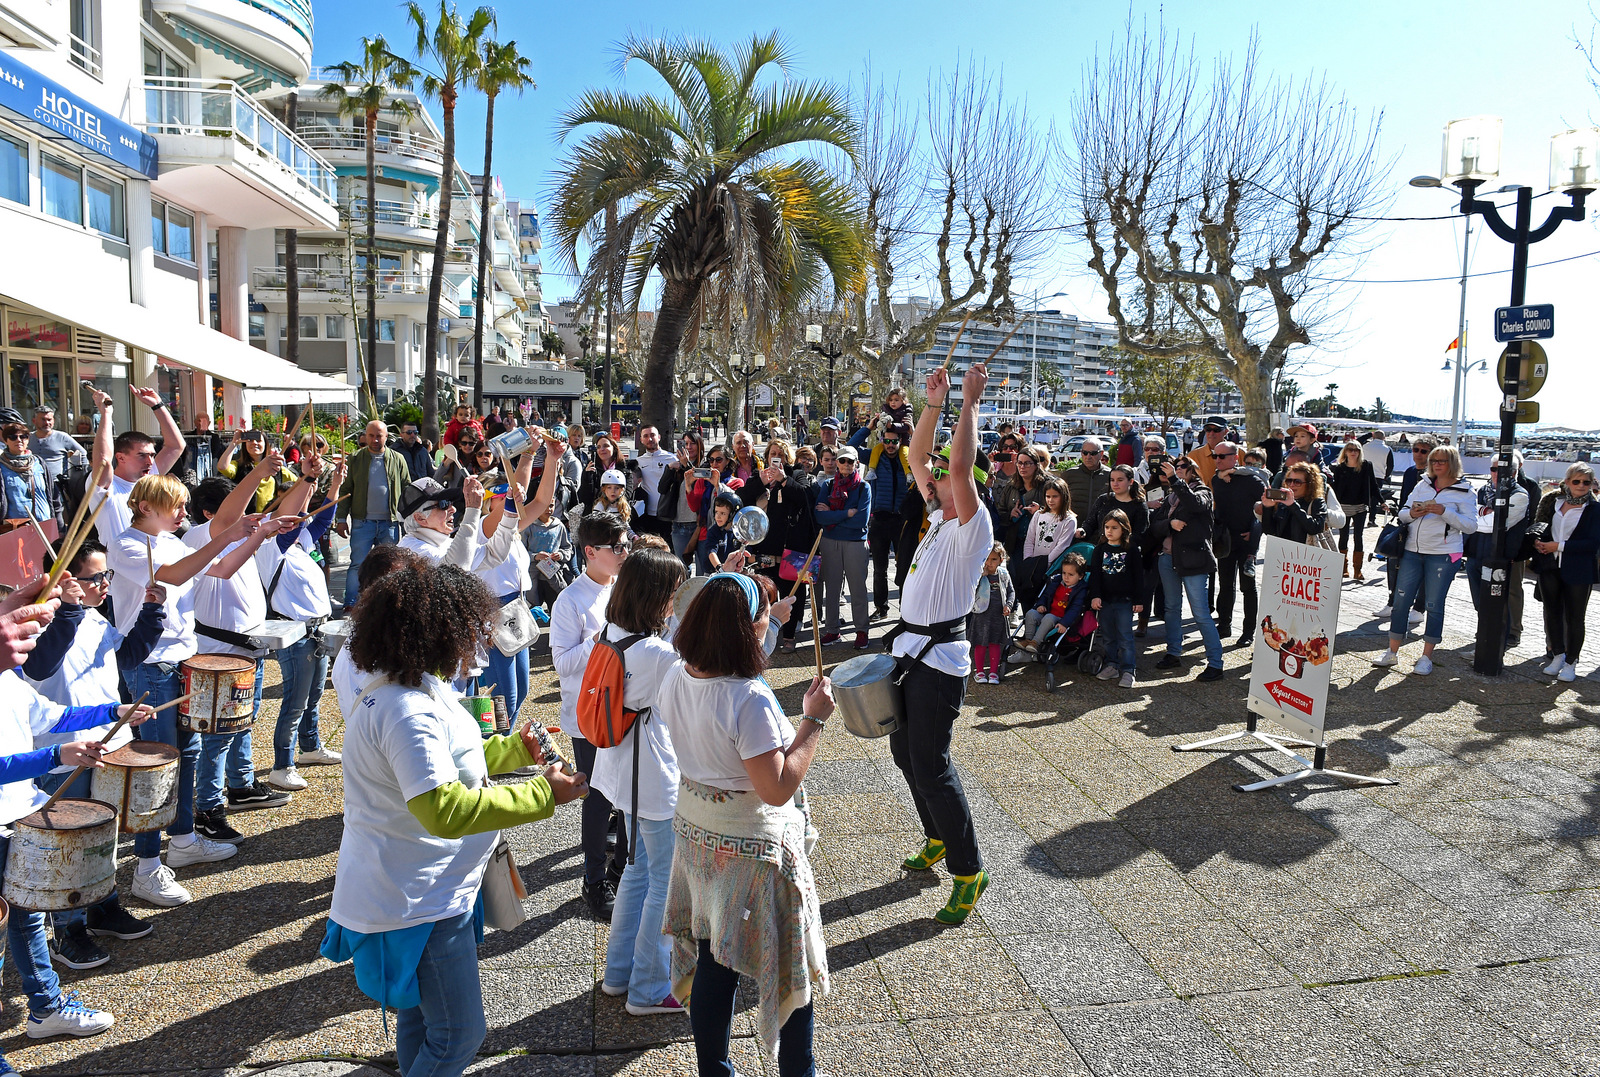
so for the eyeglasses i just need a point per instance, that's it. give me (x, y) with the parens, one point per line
(1030, 461)
(16, 437)
(1224, 455)
(621, 549)
(719, 459)
(98, 579)
(1580, 482)
(891, 444)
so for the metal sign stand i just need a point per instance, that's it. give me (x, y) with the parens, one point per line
(1310, 768)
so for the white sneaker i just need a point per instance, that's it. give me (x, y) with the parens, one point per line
(614, 992)
(322, 757)
(201, 850)
(1569, 673)
(1423, 667)
(287, 778)
(1109, 673)
(1127, 680)
(1387, 658)
(1555, 666)
(160, 887)
(1416, 618)
(72, 1019)
(1386, 613)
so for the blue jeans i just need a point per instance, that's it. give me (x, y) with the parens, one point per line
(684, 538)
(509, 675)
(31, 953)
(164, 687)
(1198, 589)
(1431, 574)
(637, 954)
(1116, 618)
(440, 1036)
(711, 1018)
(364, 535)
(305, 671)
(230, 752)
(79, 788)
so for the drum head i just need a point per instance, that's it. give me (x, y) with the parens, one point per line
(141, 753)
(71, 813)
(686, 594)
(219, 663)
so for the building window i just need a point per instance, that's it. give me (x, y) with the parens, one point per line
(158, 226)
(416, 335)
(106, 207)
(385, 328)
(63, 188)
(180, 234)
(258, 326)
(308, 326)
(334, 327)
(13, 170)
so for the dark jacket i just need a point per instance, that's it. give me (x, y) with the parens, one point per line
(1236, 501)
(1577, 557)
(1355, 485)
(1295, 521)
(1273, 447)
(589, 486)
(1121, 579)
(1137, 511)
(1085, 485)
(1191, 545)
(419, 461)
(792, 524)
(1077, 600)
(889, 482)
(838, 524)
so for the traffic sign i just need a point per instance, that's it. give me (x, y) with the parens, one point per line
(1527, 411)
(1535, 368)
(1537, 322)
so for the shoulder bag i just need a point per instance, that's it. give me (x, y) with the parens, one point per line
(515, 629)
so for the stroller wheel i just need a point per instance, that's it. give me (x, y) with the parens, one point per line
(1050, 678)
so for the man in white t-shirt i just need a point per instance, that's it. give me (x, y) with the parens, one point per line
(651, 461)
(133, 455)
(930, 640)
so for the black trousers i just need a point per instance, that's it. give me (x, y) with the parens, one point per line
(1564, 608)
(921, 749)
(1356, 521)
(882, 532)
(1238, 568)
(596, 822)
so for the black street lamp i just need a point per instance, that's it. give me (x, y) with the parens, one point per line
(1471, 158)
(745, 369)
(830, 349)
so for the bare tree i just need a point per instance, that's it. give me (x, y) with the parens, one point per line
(1206, 207)
(955, 193)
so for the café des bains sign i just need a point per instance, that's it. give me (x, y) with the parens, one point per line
(46, 102)
(534, 381)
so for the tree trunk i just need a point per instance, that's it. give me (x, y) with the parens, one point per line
(1256, 388)
(291, 270)
(485, 288)
(672, 320)
(369, 376)
(441, 244)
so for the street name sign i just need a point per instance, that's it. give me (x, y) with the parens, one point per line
(1536, 322)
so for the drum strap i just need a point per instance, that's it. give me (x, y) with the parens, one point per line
(234, 639)
(943, 632)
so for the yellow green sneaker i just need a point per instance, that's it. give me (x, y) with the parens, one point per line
(963, 896)
(931, 854)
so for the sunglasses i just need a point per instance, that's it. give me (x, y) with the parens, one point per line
(1294, 482)
(1091, 452)
(16, 437)
(1580, 482)
(719, 459)
(99, 579)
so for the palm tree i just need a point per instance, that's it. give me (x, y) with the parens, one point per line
(707, 183)
(363, 91)
(503, 68)
(453, 47)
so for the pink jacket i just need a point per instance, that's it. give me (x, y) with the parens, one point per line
(1061, 533)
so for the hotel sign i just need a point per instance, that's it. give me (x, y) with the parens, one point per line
(33, 97)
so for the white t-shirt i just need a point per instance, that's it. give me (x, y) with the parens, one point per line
(510, 575)
(302, 592)
(577, 615)
(398, 744)
(941, 584)
(1377, 452)
(347, 679)
(651, 466)
(237, 603)
(24, 715)
(116, 517)
(87, 678)
(648, 663)
(127, 557)
(717, 723)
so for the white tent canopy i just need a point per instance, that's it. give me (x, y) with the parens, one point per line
(1041, 414)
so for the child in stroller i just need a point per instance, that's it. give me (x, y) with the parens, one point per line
(1056, 626)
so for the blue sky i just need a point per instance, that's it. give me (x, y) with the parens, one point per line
(1421, 63)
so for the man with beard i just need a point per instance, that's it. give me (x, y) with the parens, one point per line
(930, 643)
(650, 463)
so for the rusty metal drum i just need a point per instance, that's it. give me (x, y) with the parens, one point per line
(140, 781)
(222, 693)
(64, 860)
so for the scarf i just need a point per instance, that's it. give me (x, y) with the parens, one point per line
(840, 490)
(20, 462)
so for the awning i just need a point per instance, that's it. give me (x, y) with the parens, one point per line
(262, 75)
(270, 380)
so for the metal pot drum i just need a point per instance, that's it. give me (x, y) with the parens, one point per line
(140, 781)
(67, 860)
(685, 594)
(750, 525)
(223, 698)
(867, 698)
(512, 443)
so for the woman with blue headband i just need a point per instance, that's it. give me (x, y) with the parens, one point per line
(742, 898)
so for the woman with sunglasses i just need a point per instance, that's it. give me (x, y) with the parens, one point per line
(255, 450)
(1303, 513)
(453, 472)
(26, 491)
(1564, 558)
(1027, 497)
(1441, 512)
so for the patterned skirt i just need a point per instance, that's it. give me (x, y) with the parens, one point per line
(741, 880)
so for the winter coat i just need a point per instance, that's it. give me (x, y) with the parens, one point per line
(1191, 546)
(1441, 534)
(1137, 512)
(1297, 520)
(1577, 555)
(1085, 485)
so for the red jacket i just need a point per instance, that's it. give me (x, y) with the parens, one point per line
(452, 430)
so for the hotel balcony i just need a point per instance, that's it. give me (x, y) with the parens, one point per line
(223, 154)
(528, 232)
(395, 220)
(507, 272)
(268, 284)
(273, 37)
(403, 150)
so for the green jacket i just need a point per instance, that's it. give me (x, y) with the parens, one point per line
(355, 484)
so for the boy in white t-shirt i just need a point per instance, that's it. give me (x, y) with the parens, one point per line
(937, 596)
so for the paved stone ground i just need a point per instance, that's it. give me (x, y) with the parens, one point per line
(1144, 917)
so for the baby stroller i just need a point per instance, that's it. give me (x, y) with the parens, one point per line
(1074, 645)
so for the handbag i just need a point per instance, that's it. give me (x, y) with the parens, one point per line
(503, 892)
(514, 628)
(1392, 539)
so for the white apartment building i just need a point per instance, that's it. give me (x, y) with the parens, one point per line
(142, 154)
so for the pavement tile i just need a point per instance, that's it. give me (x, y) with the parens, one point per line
(1016, 1044)
(952, 973)
(1534, 1002)
(533, 1065)
(549, 1009)
(1430, 934)
(1323, 945)
(1424, 1019)
(882, 1050)
(1200, 956)
(1533, 923)
(1541, 779)
(1535, 864)
(672, 1060)
(861, 813)
(1091, 965)
(856, 994)
(1149, 1039)
(1545, 817)
(1288, 1032)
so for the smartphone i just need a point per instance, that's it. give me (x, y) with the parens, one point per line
(702, 473)
(1279, 494)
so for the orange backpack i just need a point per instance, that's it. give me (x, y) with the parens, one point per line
(602, 719)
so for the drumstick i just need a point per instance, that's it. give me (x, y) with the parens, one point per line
(174, 703)
(804, 573)
(83, 506)
(150, 559)
(321, 508)
(40, 532)
(956, 341)
(45, 807)
(1002, 343)
(816, 630)
(489, 691)
(69, 550)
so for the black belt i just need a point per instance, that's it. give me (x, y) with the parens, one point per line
(944, 632)
(234, 639)
(311, 623)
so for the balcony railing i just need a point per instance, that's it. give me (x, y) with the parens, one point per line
(400, 144)
(86, 56)
(218, 108)
(393, 214)
(408, 285)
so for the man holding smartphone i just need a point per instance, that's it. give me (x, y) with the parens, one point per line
(650, 463)
(1235, 493)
